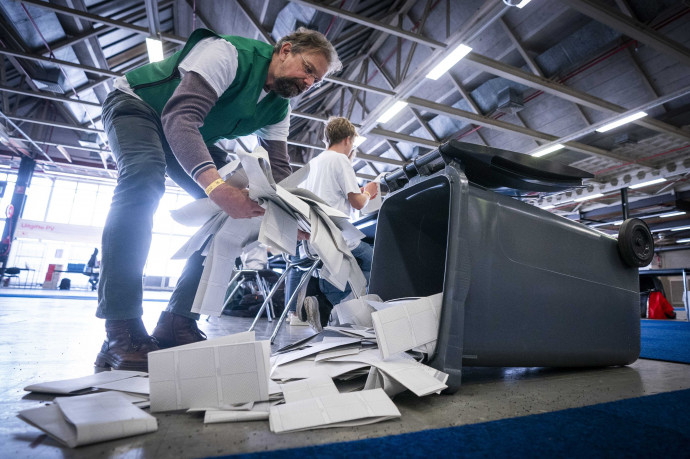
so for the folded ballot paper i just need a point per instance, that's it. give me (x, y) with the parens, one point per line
(127, 381)
(258, 412)
(216, 373)
(85, 419)
(407, 324)
(339, 410)
(288, 209)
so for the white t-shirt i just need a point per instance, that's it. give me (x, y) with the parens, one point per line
(215, 59)
(331, 177)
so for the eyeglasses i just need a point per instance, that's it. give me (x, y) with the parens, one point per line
(310, 71)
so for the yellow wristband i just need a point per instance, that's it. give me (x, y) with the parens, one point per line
(213, 186)
(367, 193)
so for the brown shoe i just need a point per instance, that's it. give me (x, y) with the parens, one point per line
(175, 330)
(126, 346)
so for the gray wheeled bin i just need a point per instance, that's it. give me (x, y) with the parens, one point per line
(522, 287)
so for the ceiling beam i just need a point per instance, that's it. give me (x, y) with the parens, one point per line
(56, 124)
(102, 20)
(45, 95)
(381, 26)
(564, 92)
(492, 123)
(629, 178)
(632, 28)
(40, 58)
(490, 11)
(640, 108)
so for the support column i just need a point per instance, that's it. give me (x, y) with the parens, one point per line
(624, 202)
(26, 171)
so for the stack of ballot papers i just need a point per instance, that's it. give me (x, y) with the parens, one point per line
(288, 209)
(85, 419)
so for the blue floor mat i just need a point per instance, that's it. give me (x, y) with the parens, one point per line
(654, 425)
(665, 340)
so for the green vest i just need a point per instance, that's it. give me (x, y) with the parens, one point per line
(236, 112)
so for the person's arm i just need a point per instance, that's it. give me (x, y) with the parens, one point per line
(359, 200)
(278, 157)
(182, 117)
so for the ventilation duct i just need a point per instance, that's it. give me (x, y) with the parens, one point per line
(509, 101)
(49, 79)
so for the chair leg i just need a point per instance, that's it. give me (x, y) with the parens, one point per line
(261, 286)
(302, 284)
(267, 299)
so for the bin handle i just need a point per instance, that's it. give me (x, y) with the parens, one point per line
(450, 343)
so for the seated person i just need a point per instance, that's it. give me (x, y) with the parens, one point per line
(332, 178)
(92, 269)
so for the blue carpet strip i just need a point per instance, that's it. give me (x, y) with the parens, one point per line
(65, 297)
(651, 426)
(665, 340)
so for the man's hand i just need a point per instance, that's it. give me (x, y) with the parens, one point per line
(372, 188)
(235, 202)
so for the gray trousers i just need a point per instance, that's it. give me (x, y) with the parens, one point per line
(143, 159)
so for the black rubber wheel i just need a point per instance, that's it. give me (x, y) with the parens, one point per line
(635, 243)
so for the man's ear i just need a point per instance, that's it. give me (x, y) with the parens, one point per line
(285, 50)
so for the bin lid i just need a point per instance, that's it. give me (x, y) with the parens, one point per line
(498, 169)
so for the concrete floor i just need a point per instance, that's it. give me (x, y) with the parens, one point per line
(45, 339)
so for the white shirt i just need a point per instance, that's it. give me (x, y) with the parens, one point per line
(215, 60)
(331, 177)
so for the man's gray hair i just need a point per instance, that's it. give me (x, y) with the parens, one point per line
(307, 40)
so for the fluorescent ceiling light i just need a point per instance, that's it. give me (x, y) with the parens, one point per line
(647, 183)
(547, 150)
(683, 241)
(5, 166)
(587, 198)
(155, 49)
(523, 3)
(622, 121)
(391, 112)
(672, 214)
(448, 62)
(359, 140)
(680, 228)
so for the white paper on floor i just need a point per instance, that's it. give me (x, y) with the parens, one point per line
(354, 408)
(259, 412)
(92, 418)
(84, 383)
(136, 385)
(213, 374)
(317, 386)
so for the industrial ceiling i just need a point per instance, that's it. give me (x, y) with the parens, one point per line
(549, 73)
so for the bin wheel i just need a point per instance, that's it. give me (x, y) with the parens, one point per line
(635, 243)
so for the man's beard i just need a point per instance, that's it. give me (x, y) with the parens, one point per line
(288, 87)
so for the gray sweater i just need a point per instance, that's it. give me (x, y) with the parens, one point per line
(184, 114)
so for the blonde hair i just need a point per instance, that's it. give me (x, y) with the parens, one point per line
(338, 129)
(306, 40)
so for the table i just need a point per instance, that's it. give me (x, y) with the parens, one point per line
(673, 272)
